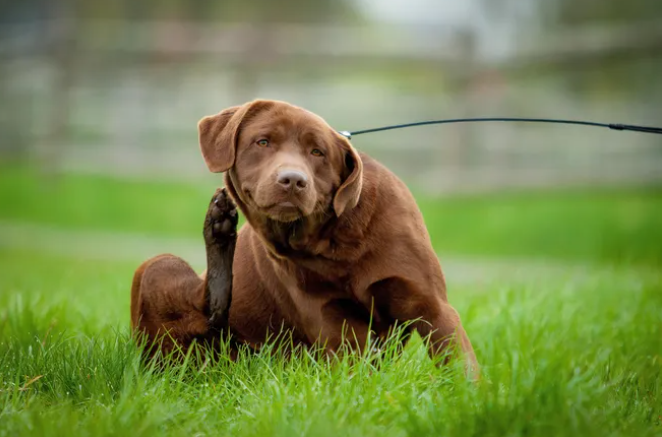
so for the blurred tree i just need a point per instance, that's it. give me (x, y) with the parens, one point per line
(282, 11)
(564, 13)
(621, 72)
(579, 12)
(611, 69)
(262, 15)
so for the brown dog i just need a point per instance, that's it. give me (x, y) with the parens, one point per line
(334, 245)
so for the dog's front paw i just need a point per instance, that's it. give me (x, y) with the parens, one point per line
(221, 220)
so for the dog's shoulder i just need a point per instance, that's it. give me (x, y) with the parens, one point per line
(383, 187)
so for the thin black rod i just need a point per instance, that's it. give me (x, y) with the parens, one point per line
(613, 126)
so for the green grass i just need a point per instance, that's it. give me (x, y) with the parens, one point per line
(94, 202)
(570, 354)
(602, 226)
(571, 348)
(622, 226)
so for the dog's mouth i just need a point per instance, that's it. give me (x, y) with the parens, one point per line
(286, 211)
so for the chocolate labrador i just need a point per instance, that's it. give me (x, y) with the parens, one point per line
(334, 249)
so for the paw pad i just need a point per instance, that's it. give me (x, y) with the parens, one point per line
(222, 218)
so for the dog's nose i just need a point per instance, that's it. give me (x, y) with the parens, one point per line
(292, 179)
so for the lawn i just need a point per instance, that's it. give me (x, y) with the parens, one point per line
(560, 292)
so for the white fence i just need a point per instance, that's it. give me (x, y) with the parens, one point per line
(126, 99)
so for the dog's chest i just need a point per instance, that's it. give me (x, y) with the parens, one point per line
(317, 285)
(326, 286)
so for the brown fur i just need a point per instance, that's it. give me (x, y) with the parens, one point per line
(348, 248)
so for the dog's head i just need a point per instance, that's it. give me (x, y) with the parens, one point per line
(285, 163)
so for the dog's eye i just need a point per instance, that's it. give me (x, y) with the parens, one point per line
(262, 143)
(316, 152)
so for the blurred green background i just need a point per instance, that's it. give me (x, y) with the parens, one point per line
(100, 104)
(550, 236)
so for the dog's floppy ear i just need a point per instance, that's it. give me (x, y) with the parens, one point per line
(217, 139)
(218, 134)
(349, 192)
